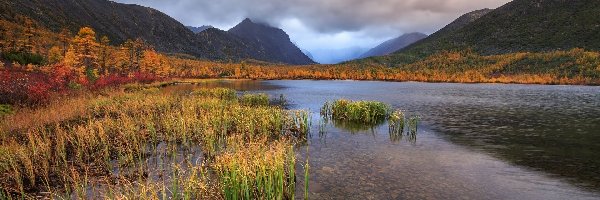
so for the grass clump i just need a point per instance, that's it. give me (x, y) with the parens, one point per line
(365, 112)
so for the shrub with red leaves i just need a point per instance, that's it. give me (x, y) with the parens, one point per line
(142, 77)
(112, 80)
(21, 87)
(29, 88)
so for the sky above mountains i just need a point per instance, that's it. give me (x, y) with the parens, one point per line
(322, 26)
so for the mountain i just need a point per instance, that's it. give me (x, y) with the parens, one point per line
(520, 26)
(121, 22)
(394, 45)
(274, 41)
(198, 29)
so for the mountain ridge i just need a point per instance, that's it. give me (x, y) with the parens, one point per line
(522, 26)
(122, 22)
(272, 40)
(393, 45)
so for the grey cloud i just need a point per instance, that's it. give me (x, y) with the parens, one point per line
(325, 16)
(330, 29)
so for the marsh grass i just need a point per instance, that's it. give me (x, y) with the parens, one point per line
(396, 123)
(137, 145)
(361, 116)
(355, 116)
(365, 112)
(400, 127)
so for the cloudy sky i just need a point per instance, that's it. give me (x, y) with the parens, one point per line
(326, 28)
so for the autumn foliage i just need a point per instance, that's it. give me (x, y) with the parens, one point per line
(39, 63)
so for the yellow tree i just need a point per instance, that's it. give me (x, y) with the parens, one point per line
(55, 55)
(154, 63)
(82, 54)
(64, 39)
(104, 56)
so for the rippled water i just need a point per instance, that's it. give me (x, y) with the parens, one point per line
(475, 141)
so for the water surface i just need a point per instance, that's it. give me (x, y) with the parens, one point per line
(475, 141)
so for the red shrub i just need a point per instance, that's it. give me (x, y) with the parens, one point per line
(111, 80)
(21, 87)
(142, 77)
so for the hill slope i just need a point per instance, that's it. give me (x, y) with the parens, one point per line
(117, 21)
(275, 42)
(121, 22)
(521, 26)
(394, 45)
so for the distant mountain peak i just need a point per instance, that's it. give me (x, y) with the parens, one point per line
(394, 45)
(247, 20)
(271, 39)
(198, 29)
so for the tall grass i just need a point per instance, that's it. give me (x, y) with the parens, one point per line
(104, 148)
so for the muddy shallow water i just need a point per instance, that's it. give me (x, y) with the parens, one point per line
(475, 141)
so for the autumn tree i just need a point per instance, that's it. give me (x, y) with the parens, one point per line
(55, 55)
(154, 63)
(25, 43)
(104, 56)
(83, 53)
(64, 38)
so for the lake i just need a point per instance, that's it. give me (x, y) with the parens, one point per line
(475, 141)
